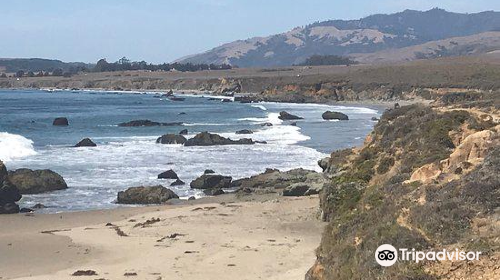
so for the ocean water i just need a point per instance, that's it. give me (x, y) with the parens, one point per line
(129, 156)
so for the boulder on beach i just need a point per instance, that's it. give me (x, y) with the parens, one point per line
(3, 172)
(9, 208)
(276, 181)
(139, 123)
(36, 181)
(60, 122)
(171, 139)
(329, 115)
(244, 131)
(285, 116)
(211, 181)
(146, 195)
(169, 174)
(209, 139)
(86, 143)
(177, 182)
(213, 192)
(183, 132)
(209, 171)
(301, 189)
(9, 194)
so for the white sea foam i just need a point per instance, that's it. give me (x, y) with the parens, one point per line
(204, 124)
(260, 107)
(13, 146)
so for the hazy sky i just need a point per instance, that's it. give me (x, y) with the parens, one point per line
(163, 30)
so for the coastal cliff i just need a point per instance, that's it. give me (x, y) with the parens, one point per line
(427, 178)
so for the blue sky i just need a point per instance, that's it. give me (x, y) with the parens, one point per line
(161, 31)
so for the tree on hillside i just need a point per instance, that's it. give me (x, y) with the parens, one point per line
(19, 73)
(316, 60)
(57, 72)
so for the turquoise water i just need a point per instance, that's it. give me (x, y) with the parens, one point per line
(129, 156)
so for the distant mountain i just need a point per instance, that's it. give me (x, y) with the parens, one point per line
(12, 65)
(345, 37)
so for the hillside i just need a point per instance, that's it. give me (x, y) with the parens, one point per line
(345, 37)
(426, 178)
(12, 65)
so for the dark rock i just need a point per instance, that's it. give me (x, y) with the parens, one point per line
(173, 98)
(328, 115)
(36, 181)
(171, 139)
(285, 116)
(183, 132)
(209, 171)
(39, 206)
(9, 208)
(213, 192)
(300, 190)
(226, 100)
(293, 123)
(192, 198)
(397, 106)
(211, 181)
(9, 193)
(26, 210)
(244, 131)
(138, 123)
(60, 122)
(267, 124)
(86, 143)
(169, 174)
(182, 113)
(375, 119)
(3, 172)
(177, 182)
(146, 195)
(209, 139)
(273, 180)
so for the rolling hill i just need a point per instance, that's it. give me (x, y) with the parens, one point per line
(368, 35)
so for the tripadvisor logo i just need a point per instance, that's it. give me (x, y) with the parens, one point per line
(386, 255)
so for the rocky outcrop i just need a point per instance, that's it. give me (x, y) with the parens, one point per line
(60, 122)
(285, 116)
(9, 194)
(183, 132)
(213, 192)
(328, 115)
(289, 182)
(413, 184)
(301, 189)
(139, 123)
(228, 87)
(36, 181)
(169, 174)
(211, 181)
(209, 139)
(171, 139)
(86, 142)
(146, 195)
(244, 131)
(177, 182)
(209, 171)
(464, 158)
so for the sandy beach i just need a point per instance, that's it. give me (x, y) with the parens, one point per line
(258, 237)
